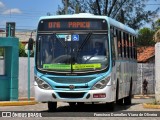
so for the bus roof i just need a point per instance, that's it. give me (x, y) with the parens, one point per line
(88, 15)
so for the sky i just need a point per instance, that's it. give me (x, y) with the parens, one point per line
(26, 13)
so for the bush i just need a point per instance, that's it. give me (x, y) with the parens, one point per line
(1, 52)
(22, 50)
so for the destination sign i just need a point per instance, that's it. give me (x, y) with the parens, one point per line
(58, 25)
(72, 24)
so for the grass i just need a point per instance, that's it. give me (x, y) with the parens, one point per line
(154, 105)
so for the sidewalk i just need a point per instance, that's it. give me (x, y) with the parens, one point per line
(20, 102)
(144, 96)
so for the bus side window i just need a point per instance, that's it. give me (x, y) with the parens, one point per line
(124, 42)
(136, 47)
(121, 44)
(130, 47)
(127, 40)
(135, 52)
(115, 43)
(133, 48)
(126, 45)
(112, 44)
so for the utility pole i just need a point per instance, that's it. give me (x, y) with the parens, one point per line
(66, 7)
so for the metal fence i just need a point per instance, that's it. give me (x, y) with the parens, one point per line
(146, 71)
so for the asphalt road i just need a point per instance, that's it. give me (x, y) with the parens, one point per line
(89, 111)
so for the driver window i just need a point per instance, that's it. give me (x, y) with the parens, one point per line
(99, 46)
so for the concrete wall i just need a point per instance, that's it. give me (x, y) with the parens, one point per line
(143, 70)
(146, 71)
(23, 76)
(157, 72)
(1, 65)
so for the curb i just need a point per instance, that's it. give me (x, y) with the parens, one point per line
(151, 106)
(26, 99)
(142, 97)
(20, 102)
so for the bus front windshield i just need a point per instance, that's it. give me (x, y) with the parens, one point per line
(72, 53)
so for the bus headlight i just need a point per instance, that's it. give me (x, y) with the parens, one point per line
(42, 84)
(101, 84)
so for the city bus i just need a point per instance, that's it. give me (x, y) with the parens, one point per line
(84, 58)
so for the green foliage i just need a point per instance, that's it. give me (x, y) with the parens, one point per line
(145, 37)
(156, 25)
(129, 12)
(155, 102)
(22, 50)
(1, 51)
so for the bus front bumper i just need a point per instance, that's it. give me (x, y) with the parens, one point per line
(101, 95)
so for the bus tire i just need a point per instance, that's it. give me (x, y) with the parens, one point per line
(52, 106)
(80, 104)
(128, 99)
(110, 106)
(118, 101)
(72, 104)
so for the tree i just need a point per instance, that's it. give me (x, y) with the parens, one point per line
(145, 37)
(129, 12)
(156, 28)
(156, 25)
(22, 50)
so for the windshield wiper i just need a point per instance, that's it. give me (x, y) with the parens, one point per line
(84, 42)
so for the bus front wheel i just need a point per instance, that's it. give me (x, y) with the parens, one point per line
(72, 104)
(128, 99)
(52, 106)
(110, 106)
(118, 101)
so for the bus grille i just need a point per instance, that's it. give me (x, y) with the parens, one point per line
(71, 80)
(71, 95)
(76, 87)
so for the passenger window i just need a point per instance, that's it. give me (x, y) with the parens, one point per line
(127, 45)
(123, 45)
